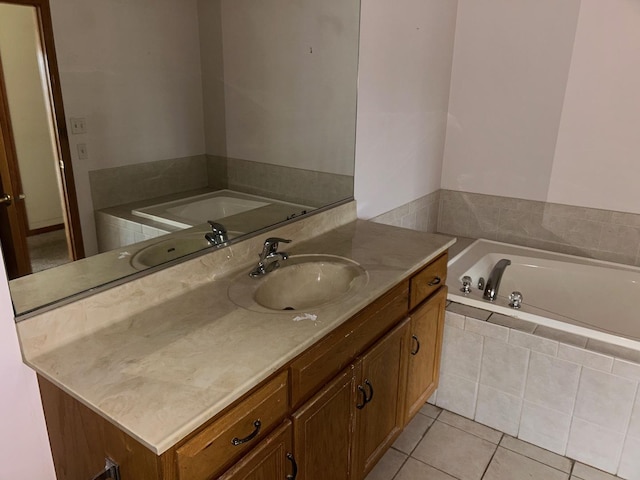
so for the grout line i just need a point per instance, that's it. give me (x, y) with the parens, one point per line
(491, 459)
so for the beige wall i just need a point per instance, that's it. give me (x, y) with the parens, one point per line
(545, 103)
(404, 74)
(30, 114)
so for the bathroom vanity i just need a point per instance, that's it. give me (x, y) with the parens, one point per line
(196, 387)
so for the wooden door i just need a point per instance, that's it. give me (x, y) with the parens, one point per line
(13, 220)
(423, 354)
(272, 459)
(382, 388)
(323, 430)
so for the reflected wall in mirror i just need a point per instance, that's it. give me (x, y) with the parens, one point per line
(247, 109)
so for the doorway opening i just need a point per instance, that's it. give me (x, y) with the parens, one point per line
(39, 219)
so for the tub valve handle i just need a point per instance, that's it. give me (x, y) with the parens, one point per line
(515, 300)
(466, 284)
(481, 283)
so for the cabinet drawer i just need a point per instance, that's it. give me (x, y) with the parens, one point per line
(428, 280)
(235, 433)
(332, 354)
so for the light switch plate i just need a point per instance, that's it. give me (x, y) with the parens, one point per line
(82, 151)
(78, 125)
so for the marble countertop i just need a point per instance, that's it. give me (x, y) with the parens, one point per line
(161, 373)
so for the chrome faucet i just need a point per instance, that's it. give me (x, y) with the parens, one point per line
(217, 235)
(269, 257)
(495, 277)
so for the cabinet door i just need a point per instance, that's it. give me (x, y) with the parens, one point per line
(380, 411)
(323, 430)
(272, 459)
(427, 323)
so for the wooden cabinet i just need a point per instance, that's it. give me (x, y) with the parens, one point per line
(324, 430)
(332, 412)
(380, 411)
(272, 459)
(427, 326)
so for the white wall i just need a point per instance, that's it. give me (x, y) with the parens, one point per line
(139, 89)
(510, 69)
(290, 71)
(24, 445)
(597, 160)
(404, 74)
(545, 103)
(30, 114)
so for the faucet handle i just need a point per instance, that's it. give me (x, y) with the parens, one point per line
(271, 243)
(216, 227)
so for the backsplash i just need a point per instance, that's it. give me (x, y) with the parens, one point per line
(586, 232)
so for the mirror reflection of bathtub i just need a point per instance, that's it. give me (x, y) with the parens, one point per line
(121, 226)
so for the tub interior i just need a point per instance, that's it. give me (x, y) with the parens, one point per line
(215, 206)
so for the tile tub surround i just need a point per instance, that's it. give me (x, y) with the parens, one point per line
(440, 445)
(421, 214)
(587, 232)
(131, 183)
(562, 392)
(160, 346)
(289, 184)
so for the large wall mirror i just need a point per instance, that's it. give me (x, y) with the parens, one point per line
(185, 124)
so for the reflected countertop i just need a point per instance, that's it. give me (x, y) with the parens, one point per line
(162, 371)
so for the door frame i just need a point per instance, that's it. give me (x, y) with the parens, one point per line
(65, 168)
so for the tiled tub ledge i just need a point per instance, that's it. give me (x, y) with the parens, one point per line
(563, 392)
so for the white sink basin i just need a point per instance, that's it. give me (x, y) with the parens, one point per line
(302, 282)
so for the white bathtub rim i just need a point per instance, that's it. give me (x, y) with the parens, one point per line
(536, 316)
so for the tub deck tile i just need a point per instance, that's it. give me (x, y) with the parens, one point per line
(467, 311)
(512, 323)
(617, 351)
(561, 336)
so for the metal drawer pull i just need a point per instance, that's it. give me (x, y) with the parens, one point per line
(294, 465)
(435, 281)
(111, 470)
(239, 441)
(415, 352)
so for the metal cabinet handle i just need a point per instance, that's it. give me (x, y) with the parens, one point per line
(368, 384)
(6, 199)
(415, 352)
(365, 399)
(294, 466)
(435, 281)
(239, 441)
(360, 406)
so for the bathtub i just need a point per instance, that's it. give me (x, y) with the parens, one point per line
(592, 298)
(191, 211)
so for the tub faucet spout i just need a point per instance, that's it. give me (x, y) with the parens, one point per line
(495, 277)
(217, 235)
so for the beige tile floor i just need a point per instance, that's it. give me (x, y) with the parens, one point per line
(440, 445)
